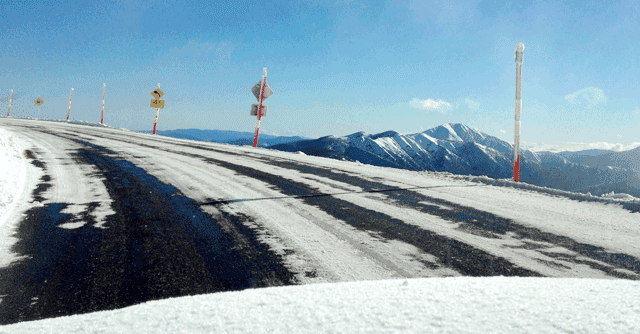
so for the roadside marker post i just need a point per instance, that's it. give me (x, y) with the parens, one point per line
(69, 111)
(519, 56)
(158, 104)
(10, 97)
(261, 91)
(104, 89)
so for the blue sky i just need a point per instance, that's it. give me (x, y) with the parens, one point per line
(336, 67)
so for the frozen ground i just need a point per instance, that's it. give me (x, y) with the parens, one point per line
(359, 296)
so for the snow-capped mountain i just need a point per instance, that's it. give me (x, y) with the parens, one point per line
(459, 149)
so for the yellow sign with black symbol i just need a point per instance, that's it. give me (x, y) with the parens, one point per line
(157, 93)
(157, 104)
(39, 101)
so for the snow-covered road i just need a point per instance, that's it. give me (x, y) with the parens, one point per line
(110, 218)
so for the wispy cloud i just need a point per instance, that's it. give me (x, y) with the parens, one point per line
(590, 96)
(471, 104)
(430, 104)
(573, 146)
(503, 131)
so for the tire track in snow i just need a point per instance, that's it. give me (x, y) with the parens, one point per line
(247, 223)
(463, 258)
(471, 220)
(481, 223)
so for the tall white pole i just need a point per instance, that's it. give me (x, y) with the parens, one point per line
(264, 81)
(69, 111)
(104, 89)
(155, 120)
(10, 97)
(519, 56)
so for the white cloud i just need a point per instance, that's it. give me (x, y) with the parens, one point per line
(430, 104)
(503, 131)
(573, 146)
(471, 104)
(590, 96)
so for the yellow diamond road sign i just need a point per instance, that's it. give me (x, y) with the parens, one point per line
(157, 104)
(39, 101)
(157, 93)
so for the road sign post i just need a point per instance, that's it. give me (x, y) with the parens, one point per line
(10, 96)
(519, 56)
(261, 91)
(39, 102)
(158, 104)
(104, 90)
(69, 111)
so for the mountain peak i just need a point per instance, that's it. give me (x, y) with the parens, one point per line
(462, 133)
(357, 134)
(385, 134)
(445, 132)
(457, 132)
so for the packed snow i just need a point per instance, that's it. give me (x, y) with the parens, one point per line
(422, 305)
(12, 182)
(426, 305)
(611, 197)
(12, 173)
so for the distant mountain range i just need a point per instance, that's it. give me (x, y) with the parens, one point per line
(603, 158)
(458, 149)
(227, 137)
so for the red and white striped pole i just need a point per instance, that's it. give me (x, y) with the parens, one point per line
(104, 89)
(519, 56)
(155, 120)
(10, 96)
(262, 86)
(69, 111)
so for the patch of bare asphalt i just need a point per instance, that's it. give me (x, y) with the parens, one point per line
(159, 244)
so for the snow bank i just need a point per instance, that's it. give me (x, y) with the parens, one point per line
(607, 198)
(12, 174)
(76, 122)
(425, 305)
